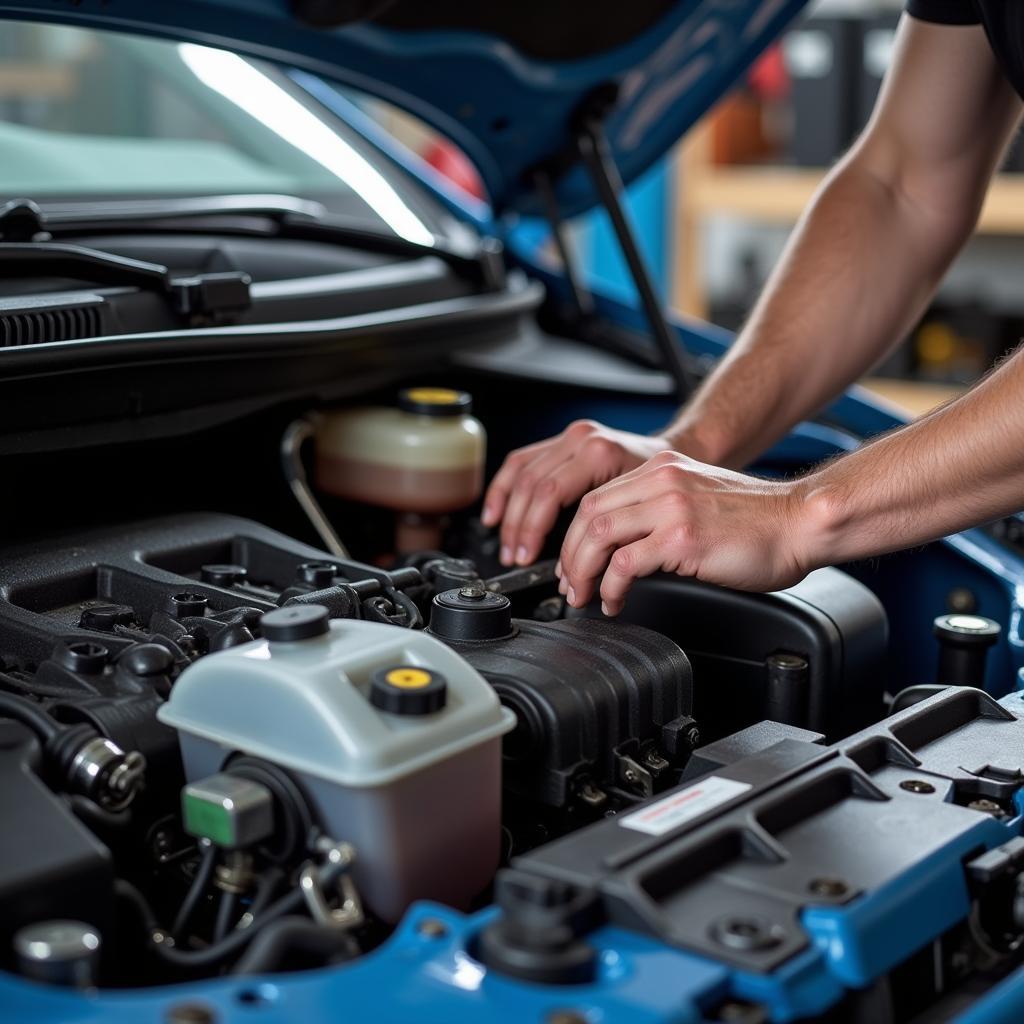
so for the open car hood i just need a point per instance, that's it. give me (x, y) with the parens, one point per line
(505, 80)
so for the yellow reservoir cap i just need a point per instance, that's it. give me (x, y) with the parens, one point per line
(409, 678)
(435, 401)
(408, 690)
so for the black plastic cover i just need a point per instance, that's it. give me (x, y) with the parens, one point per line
(829, 619)
(591, 697)
(795, 825)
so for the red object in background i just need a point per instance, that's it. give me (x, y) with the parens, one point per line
(455, 166)
(768, 77)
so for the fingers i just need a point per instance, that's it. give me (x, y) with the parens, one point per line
(536, 485)
(653, 479)
(496, 498)
(627, 565)
(564, 485)
(607, 532)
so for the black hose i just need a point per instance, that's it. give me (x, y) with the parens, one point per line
(291, 935)
(268, 884)
(195, 892)
(30, 714)
(233, 943)
(227, 914)
(913, 695)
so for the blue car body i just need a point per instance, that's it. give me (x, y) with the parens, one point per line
(511, 114)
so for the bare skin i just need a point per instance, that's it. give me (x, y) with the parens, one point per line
(860, 268)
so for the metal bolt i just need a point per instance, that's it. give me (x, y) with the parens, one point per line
(985, 806)
(474, 592)
(565, 1017)
(831, 887)
(432, 928)
(693, 738)
(747, 933)
(191, 1013)
(629, 775)
(917, 786)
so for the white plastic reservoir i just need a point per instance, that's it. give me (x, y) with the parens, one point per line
(393, 737)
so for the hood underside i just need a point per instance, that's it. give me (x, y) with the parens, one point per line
(505, 81)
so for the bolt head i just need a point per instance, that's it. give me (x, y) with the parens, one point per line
(917, 786)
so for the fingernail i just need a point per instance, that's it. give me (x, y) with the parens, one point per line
(505, 556)
(604, 609)
(563, 586)
(558, 568)
(487, 517)
(522, 555)
(571, 596)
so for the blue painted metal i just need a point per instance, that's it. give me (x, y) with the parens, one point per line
(1003, 1005)
(508, 112)
(419, 975)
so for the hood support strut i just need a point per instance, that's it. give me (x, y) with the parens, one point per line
(592, 145)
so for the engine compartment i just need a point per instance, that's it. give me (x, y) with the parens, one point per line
(210, 771)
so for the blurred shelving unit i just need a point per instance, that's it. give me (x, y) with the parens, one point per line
(775, 195)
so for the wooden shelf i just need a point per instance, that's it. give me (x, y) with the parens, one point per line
(774, 195)
(915, 397)
(780, 194)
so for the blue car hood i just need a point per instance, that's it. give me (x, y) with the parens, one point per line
(506, 81)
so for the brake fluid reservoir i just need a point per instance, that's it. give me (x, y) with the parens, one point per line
(424, 459)
(392, 736)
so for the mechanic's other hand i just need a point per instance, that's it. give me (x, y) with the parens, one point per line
(535, 482)
(674, 514)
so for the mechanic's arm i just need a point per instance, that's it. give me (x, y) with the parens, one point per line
(960, 465)
(857, 273)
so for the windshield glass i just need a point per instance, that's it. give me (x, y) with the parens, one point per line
(97, 114)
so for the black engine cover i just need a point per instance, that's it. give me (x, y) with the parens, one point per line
(604, 703)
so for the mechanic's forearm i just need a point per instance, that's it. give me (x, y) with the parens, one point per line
(856, 275)
(961, 465)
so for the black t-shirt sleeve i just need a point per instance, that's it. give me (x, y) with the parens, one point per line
(945, 12)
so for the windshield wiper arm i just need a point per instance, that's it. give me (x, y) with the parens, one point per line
(203, 296)
(290, 217)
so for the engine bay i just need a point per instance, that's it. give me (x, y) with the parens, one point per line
(210, 727)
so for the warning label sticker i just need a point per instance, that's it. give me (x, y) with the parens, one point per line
(664, 815)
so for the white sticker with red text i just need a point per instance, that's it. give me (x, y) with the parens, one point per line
(664, 815)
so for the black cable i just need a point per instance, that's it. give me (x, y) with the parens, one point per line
(196, 891)
(226, 915)
(30, 714)
(291, 935)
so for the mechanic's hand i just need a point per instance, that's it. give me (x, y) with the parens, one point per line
(674, 514)
(535, 482)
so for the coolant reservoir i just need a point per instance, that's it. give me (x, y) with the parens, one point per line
(424, 459)
(392, 736)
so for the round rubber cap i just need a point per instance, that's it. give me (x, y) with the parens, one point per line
(296, 622)
(435, 401)
(966, 630)
(408, 690)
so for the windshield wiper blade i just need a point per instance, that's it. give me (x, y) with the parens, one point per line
(201, 297)
(290, 218)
